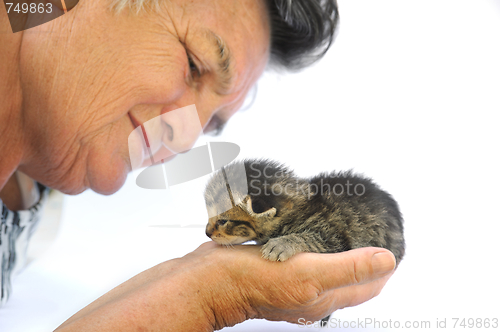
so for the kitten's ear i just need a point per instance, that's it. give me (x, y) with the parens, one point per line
(267, 214)
(246, 205)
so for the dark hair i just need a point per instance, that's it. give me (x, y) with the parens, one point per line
(301, 31)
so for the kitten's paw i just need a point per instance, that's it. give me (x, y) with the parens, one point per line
(278, 250)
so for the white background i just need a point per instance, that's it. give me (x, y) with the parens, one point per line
(408, 95)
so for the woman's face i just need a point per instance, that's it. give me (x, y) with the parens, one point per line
(90, 77)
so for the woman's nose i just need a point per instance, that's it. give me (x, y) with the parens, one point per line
(181, 128)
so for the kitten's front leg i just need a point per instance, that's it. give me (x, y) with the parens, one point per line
(283, 247)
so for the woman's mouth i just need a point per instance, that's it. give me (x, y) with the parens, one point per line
(134, 121)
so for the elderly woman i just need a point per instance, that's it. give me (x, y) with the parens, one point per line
(73, 89)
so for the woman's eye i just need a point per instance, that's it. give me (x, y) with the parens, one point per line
(195, 71)
(222, 222)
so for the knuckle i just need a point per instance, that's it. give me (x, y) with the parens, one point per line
(356, 272)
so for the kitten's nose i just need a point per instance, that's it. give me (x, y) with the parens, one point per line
(209, 231)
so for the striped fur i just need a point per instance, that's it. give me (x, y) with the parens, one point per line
(329, 213)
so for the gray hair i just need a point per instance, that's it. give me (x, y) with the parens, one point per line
(302, 31)
(134, 5)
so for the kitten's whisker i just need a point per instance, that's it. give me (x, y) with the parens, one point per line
(348, 211)
(229, 245)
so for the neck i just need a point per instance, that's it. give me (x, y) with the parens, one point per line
(11, 138)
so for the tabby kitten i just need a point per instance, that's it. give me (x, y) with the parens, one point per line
(328, 213)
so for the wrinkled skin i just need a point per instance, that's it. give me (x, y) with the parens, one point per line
(87, 79)
(219, 287)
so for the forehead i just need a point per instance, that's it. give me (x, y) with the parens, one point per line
(235, 213)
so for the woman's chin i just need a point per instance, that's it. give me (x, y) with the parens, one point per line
(107, 186)
(108, 177)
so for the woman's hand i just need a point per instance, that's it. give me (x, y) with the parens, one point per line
(214, 287)
(308, 286)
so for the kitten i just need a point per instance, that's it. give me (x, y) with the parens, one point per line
(328, 213)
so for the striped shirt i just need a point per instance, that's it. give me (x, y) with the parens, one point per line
(16, 228)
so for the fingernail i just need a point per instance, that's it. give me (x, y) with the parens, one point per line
(383, 262)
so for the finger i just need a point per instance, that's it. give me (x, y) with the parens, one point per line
(203, 249)
(357, 266)
(207, 246)
(356, 294)
(335, 299)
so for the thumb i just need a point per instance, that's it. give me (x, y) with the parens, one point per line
(353, 267)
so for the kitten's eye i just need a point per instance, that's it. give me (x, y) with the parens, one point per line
(221, 222)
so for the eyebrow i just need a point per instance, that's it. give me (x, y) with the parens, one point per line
(225, 63)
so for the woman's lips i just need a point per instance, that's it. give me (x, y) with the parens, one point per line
(139, 151)
(137, 124)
